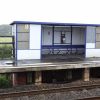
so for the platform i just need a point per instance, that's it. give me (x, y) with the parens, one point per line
(37, 65)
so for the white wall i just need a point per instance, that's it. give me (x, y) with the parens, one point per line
(28, 54)
(35, 36)
(90, 45)
(92, 52)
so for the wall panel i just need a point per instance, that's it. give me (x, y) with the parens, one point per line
(28, 54)
(35, 36)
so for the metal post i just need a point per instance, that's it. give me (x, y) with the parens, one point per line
(13, 45)
(71, 37)
(53, 39)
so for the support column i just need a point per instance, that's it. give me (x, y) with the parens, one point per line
(69, 74)
(71, 37)
(14, 79)
(38, 78)
(86, 74)
(52, 39)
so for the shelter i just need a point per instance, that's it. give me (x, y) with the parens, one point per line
(40, 40)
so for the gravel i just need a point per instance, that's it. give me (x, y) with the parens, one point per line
(71, 95)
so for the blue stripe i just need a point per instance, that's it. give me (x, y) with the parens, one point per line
(95, 37)
(53, 23)
(62, 46)
(41, 44)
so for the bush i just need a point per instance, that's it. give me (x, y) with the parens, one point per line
(4, 82)
(5, 52)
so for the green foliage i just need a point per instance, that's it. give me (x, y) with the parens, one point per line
(4, 82)
(5, 51)
(5, 30)
(5, 39)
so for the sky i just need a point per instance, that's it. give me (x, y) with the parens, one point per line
(65, 11)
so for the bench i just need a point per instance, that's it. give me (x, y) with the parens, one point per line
(58, 49)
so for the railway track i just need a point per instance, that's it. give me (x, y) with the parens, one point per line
(50, 90)
(92, 98)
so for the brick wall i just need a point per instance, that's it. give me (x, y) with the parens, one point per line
(21, 78)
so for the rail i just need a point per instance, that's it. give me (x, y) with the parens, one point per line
(91, 98)
(50, 90)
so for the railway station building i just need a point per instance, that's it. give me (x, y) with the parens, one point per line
(35, 40)
(44, 41)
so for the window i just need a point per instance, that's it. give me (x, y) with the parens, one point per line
(63, 39)
(97, 37)
(23, 45)
(22, 28)
(23, 36)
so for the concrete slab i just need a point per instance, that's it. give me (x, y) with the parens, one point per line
(37, 65)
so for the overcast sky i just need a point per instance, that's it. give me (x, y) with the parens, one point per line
(68, 11)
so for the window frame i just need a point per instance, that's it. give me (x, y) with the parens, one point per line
(23, 41)
(96, 38)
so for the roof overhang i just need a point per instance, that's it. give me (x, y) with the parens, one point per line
(53, 23)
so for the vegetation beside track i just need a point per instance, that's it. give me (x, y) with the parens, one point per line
(6, 48)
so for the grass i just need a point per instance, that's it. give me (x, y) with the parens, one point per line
(4, 81)
(5, 39)
(5, 49)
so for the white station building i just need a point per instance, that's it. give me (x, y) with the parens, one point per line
(35, 40)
